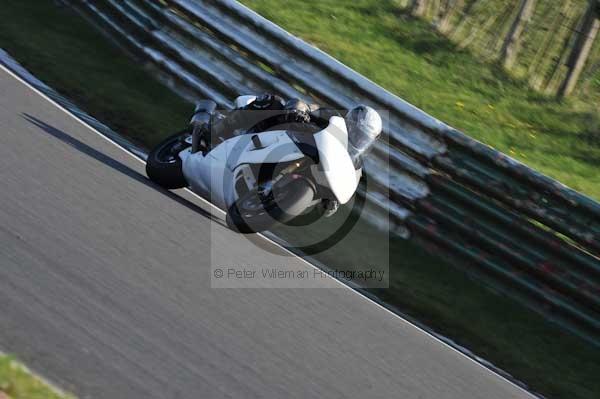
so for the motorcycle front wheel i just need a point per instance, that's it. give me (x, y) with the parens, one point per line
(253, 214)
(163, 165)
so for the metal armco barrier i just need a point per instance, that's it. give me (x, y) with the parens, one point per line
(525, 234)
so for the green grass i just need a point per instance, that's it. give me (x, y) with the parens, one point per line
(80, 64)
(62, 49)
(18, 383)
(374, 37)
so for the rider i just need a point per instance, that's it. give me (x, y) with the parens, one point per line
(363, 123)
(274, 111)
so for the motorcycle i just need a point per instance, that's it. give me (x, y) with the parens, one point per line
(284, 174)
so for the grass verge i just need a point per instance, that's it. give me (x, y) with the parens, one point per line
(62, 49)
(407, 57)
(18, 383)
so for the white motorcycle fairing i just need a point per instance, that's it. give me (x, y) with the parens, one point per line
(335, 162)
(215, 174)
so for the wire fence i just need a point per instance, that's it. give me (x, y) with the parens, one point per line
(546, 42)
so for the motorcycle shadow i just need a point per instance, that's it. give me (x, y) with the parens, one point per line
(117, 166)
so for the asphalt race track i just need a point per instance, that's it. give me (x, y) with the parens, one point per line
(105, 288)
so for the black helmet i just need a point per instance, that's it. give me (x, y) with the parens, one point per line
(268, 101)
(296, 104)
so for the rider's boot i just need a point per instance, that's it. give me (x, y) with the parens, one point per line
(330, 207)
(200, 123)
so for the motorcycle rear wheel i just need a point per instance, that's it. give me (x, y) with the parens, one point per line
(252, 214)
(163, 165)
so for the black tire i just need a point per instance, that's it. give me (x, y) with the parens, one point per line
(290, 201)
(163, 165)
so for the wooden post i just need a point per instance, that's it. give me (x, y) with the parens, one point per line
(512, 43)
(418, 8)
(450, 9)
(582, 48)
